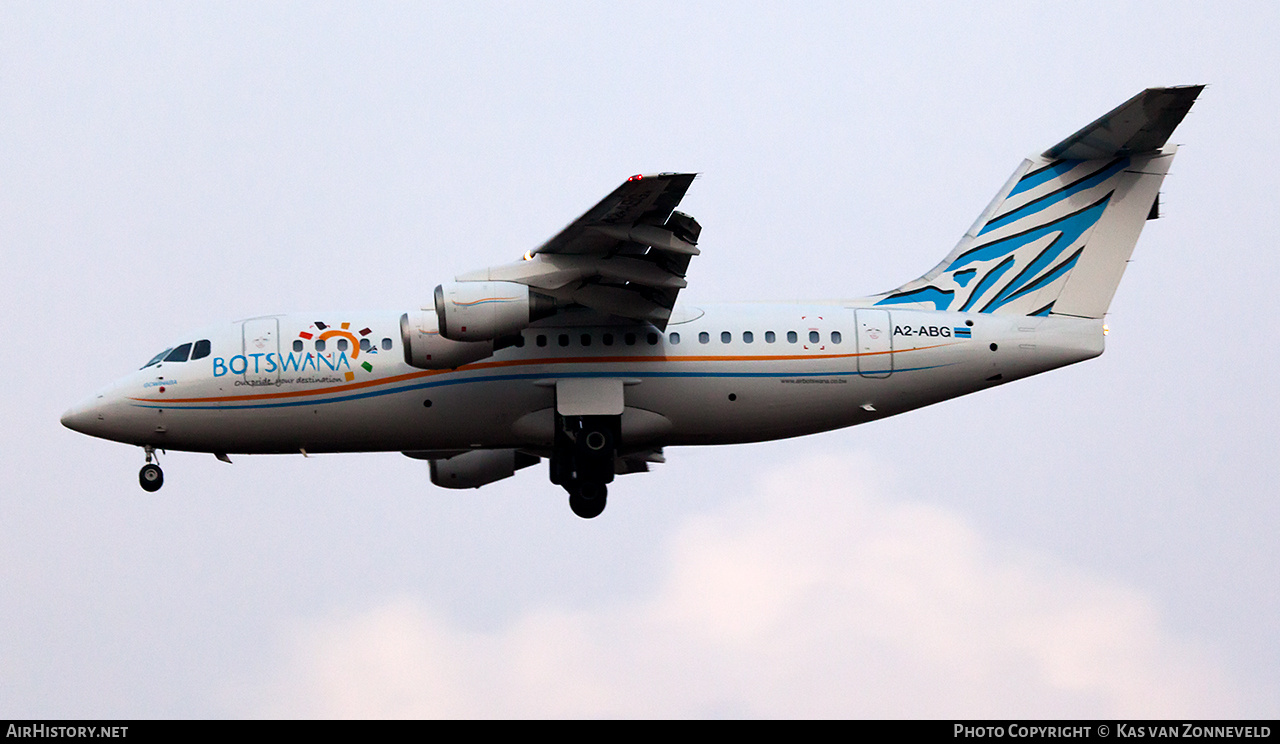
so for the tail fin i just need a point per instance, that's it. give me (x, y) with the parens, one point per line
(1056, 238)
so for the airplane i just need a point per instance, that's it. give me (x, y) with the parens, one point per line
(579, 353)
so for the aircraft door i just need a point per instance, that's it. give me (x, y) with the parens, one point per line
(875, 342)
(261, 343)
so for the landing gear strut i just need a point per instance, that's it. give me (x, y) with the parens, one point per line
(583, 460)
(151, 477)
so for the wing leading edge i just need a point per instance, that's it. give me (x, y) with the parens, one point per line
(625, 256)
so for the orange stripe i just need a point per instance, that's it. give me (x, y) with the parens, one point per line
(484, 299)
(522, 363)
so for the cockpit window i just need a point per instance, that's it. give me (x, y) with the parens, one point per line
(198, 350)
(179, 354)
(157, 358)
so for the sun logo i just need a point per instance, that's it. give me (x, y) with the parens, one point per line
(324, 332)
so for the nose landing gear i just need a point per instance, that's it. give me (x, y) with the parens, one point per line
(151, 477)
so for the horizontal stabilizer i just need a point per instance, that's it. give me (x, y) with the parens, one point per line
(1141, 124)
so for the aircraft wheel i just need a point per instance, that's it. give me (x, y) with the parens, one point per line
(151, 477)
(588, 500)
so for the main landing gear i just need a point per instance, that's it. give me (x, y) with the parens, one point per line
(151, 477)
(587, 500)
(582, 460)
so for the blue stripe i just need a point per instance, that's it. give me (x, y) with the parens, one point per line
(1071, 228)
(1032, 180)
(987, 282)
(1040, 205)
(507, 378)
(1043, 281)
(941, 298)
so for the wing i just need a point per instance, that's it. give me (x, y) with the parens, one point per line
(626, 256)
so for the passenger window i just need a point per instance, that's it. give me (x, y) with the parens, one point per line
(297, 344)
(608, 339)
(563, 340)
(792, 337)
(364, 345)
(542, 339)
(386, 344)
(630, 339)
(704, 338)
(585, 339)
(836, 337)
(675, 337)
(748, 337)
(814, 337)
(201, 350)
(342, 344)
(652, 338)
(320, 344)
(179, 354)
(520, 341)
(725, 337)
(769, 337)
(156, 359)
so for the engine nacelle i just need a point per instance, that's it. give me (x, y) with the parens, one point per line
(425, 348)
(483, 311)
(478, 467)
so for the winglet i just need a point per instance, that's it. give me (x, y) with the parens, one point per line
(1141, 124)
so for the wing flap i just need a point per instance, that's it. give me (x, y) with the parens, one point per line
(622, 302)
(638, 462)
(649, 235)
(640, 200)
(551, 271)
(626, 256)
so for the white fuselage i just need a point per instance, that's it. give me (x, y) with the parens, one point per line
(263, 387)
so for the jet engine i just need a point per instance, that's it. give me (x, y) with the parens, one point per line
(425, 348)
(478, 467)
(483, 311)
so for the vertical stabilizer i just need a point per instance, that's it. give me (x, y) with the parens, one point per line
(1056, 238)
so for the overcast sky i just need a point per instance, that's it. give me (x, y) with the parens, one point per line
(1097, 541)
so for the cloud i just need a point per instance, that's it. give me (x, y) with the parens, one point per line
(816, 596)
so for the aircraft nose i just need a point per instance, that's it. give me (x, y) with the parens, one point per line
(85, 417)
